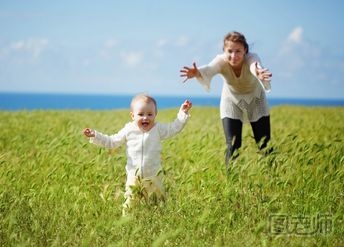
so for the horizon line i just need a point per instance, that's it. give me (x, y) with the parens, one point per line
(158, 95)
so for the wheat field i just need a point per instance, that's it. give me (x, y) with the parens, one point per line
(56, 189)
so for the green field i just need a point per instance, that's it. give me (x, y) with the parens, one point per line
(56, 189)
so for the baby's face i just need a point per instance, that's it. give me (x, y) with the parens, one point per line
(143, 114)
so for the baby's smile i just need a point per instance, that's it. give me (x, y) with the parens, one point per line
(143, 113)
(145, 123)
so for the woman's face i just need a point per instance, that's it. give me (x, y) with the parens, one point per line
(235, 53)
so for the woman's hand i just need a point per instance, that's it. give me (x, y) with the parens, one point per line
(89, 132)
(190, 72)
(263, 74)
(186, 106)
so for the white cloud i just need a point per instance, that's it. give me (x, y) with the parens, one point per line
(303, 62)
(296, 36)
(107, 49)
(294, 39)
(161, 43)
(182, 41)
(86, 62)
(17, 45)
(293, 53)
(31, 48)
(160, 48)
(104, 54)
(131, 58)
(110, 43)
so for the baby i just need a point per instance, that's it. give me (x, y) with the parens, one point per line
(143, 138)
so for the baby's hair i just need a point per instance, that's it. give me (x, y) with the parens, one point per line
(235, 37)
(144, 97)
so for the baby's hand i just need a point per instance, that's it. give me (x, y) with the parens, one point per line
(186, 106)
(89, 132)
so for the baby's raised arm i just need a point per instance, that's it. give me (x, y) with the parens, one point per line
(186, 106)
(171, 129)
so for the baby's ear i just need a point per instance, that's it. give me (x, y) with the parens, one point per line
(132, 115)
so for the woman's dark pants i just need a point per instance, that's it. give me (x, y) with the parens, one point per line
(233, 130)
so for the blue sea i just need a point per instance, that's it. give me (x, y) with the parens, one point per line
(33, 101)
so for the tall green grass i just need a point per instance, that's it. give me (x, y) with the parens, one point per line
(56, 189)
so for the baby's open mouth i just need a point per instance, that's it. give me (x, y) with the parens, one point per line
(145, 124)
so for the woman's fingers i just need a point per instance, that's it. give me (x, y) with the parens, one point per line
(263, 73)
(194, 66)
(189, 72)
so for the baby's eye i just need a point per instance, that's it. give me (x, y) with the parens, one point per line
(140, 114)
(150, 114)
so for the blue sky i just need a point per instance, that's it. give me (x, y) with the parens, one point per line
(126, 47)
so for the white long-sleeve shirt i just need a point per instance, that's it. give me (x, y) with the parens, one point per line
(143, 148)
(243, 93)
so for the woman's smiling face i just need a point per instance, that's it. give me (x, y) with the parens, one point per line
(235, 53)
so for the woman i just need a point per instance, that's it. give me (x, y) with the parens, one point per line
(243, 93)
